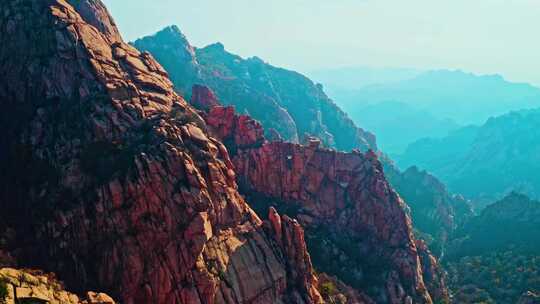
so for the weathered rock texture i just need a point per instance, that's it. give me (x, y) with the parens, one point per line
(26, 286)
(111, 180)
(283, 101)
(357, 226)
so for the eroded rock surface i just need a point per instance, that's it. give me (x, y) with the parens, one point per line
(358, 228)
(111, 179)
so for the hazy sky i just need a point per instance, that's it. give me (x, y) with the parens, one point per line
(482, 36)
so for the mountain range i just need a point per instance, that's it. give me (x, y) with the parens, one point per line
(288, 104)
(432, 102)
(487, 162)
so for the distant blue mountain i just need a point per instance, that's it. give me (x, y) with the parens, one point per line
(445, 99)
(397, 124)
(486, 162)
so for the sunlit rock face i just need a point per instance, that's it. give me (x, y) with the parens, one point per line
(31, 286)
(111, 180)
(357, 227)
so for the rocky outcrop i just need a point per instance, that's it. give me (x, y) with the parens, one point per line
(111, 179)
(95, 13)
(27, 286)
(290, 237)
(283, 101)
(238, 131)
(347, 194)
(203, 98)
(357, 227)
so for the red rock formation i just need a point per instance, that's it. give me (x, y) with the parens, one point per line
(111, 179)
(203, 98)
(290, 237)
(348, 195)
(240, 130)
(94, 13)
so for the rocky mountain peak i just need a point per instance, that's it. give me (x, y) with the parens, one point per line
(173, 34)
(215, 47)
(96, 14)
(112, 180)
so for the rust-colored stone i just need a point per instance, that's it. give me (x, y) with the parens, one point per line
(112, 180)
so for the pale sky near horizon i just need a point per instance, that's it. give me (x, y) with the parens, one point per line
(481, 36)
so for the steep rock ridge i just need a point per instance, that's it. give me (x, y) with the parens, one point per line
(356, 224)
(435, 212)
(95, 13)
(25, 286)
(282, 100)
(111, 180)
(347, 194)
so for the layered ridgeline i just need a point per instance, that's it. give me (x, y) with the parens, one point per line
(285, 102)
(115, 183)
(434, 102)
(260, 88)
(494, 257)
(487, 162)
(356, 225)
(111, 180)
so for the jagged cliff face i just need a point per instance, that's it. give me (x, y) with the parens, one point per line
(283, 101)
(435, 212)
(357, 226)
(111, 179)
